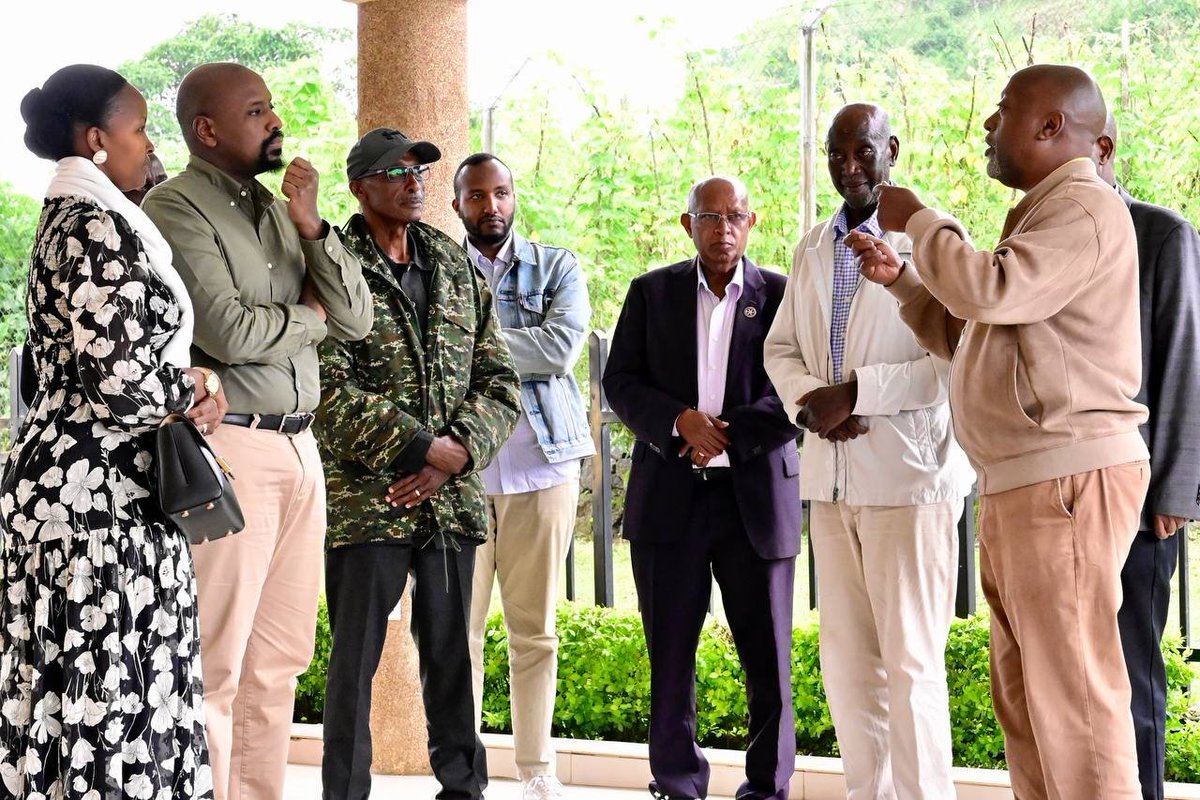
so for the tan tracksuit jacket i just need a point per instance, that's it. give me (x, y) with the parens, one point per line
(1049, 360)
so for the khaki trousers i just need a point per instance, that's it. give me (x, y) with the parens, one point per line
(257, 597)
(528, 538)
(886, 576)
(1050, 561)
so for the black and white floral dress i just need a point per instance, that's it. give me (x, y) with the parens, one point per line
(100, 682)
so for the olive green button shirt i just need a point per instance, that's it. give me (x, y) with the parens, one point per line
(244, 266)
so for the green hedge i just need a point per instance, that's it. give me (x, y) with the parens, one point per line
(604, 688)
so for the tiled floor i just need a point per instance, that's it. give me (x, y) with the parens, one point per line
(304, 783)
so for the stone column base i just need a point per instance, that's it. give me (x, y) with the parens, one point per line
(398, 730)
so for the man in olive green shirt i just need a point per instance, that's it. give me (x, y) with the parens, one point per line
(268, 282)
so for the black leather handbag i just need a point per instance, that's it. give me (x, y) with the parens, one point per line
(194, 486)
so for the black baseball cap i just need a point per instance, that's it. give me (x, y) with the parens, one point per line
(384, 147)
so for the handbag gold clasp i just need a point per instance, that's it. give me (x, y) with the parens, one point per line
(224, 466)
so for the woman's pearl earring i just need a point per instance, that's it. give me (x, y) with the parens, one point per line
(99, 157)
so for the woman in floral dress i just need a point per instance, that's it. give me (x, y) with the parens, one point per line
(100, 687)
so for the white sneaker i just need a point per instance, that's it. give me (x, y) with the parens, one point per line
(542, 787)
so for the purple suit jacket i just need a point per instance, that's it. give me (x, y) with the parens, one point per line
(651, 377)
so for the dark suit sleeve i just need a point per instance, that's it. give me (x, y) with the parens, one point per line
(759, 427)
(647, 410)
(1174, 377)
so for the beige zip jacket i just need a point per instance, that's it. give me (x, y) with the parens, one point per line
(908, 456)
(1044, 376)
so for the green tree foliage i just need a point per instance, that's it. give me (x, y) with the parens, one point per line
(213, 37)
(612, 186)
(18, 219)
(320, 126)
(308, 98)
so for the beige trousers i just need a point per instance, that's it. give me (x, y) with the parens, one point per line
(886, 577)
(1050, 559)
(257, 597)
(528, 538)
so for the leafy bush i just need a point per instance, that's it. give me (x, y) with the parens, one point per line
(1183, 722)
(310, 689)
(974, 731)
(604, 688)
(602, 656)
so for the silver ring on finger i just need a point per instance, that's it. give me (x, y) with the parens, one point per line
(417, 492)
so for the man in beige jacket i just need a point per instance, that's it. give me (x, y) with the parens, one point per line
(885, 482)
(1045, 336)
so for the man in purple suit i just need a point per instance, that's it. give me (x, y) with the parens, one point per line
(713, 491)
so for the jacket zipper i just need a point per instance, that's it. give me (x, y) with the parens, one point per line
(836, 449)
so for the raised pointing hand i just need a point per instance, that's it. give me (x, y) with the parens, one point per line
(877, 261)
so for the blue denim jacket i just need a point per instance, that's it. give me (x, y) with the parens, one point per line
(542, 303)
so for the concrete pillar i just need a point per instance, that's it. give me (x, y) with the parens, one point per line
(412, 75)
(398, 731)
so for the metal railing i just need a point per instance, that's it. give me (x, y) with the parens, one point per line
(14, 393)
(602, 417)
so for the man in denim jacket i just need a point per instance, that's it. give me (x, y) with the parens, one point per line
(533, 483)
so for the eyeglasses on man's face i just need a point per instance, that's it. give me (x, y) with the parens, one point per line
(711, 219)
(400, 174)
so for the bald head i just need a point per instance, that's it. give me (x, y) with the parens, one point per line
(1048, 115)
(861, 151)
(855, 116)
(200, 93)
(719, 220)
(1069, 90)
(227, 119)
(716, 184)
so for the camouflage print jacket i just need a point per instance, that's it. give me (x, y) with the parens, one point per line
(379, 394)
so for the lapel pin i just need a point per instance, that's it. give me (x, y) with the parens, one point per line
(750, 311)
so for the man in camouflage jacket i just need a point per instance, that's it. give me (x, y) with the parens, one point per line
(408, 417)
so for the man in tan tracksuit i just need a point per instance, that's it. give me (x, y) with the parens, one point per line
(1045, 335)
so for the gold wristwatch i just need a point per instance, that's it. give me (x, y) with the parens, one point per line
(212, 383)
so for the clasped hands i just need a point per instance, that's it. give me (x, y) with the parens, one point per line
(704, 436)
(446, 457)
(829, 412)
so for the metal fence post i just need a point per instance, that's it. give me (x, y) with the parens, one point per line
(571, 569)
(16, 405)
(964, 601)
(602, 495)
(806, 526)
(1185, 611)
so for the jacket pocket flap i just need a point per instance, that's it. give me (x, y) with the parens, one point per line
(459, 319)
(533, 301)
(791, 464)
